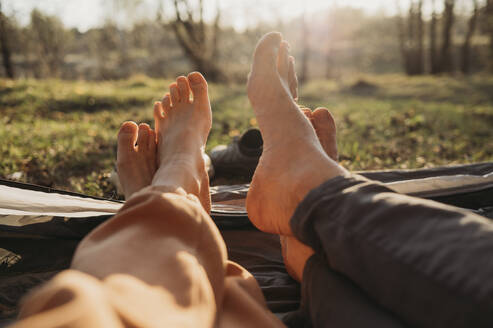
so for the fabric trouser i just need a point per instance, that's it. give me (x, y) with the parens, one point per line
(160, 262)
(388, 260)
(381, 260)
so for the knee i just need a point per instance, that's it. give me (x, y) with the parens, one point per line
(68, 287)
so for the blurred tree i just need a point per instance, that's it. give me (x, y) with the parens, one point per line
(5, 44)
(412, 42)
(434, 61)
(446, 60)
(49, 38)
(198, 41)
(104, 46)
(420, 63)
(489, 29)
(466, 47)
(344, 40)
(148, 40)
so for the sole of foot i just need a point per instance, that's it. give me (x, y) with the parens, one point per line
(182, 127)
(293, 160)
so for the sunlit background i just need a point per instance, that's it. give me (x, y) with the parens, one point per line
(409, 81)
(357, 35)
(240, 14)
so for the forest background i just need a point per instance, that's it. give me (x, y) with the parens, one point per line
(409, 82)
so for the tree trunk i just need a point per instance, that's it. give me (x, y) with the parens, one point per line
(489, 18)
(5, 45)
(434, 64)
(411, 38)
(446, 64)
(420, 68)
(192, 37)
(411, 58)
(466, 47)
(209, 69)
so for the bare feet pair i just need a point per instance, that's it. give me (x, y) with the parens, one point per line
(172, 155)
(299, 146)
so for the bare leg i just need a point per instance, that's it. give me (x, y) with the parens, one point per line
(161, 259)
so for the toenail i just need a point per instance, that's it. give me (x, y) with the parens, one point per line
(127, 127)
(195, 78)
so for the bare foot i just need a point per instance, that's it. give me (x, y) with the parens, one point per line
(293, 161)
(295, 253)
(182, 127)
(136, 163)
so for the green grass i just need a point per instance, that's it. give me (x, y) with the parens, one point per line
(63, 134)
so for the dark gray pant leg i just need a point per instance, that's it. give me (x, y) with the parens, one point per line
(332, 300)
(428, 263)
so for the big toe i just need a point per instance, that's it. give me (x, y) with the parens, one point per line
(325, 127)
(265, 55)
(283, 60)
(198, 84)
(127, 136)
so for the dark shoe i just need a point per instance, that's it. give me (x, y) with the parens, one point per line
(240, 158)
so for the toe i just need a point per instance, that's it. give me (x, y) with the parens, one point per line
(308, 112)
(325, 126)
(283, 60)
(292, 79)
(127, 135)
(265, 55)
(158, 111)
(198, 84)
(183, 88)
(166, 103)
(158, 115)
(143, 137)
(126, 140)
(175, 94)
(151, 141)
(325, 120)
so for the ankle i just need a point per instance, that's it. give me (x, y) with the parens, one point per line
(179, 174)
